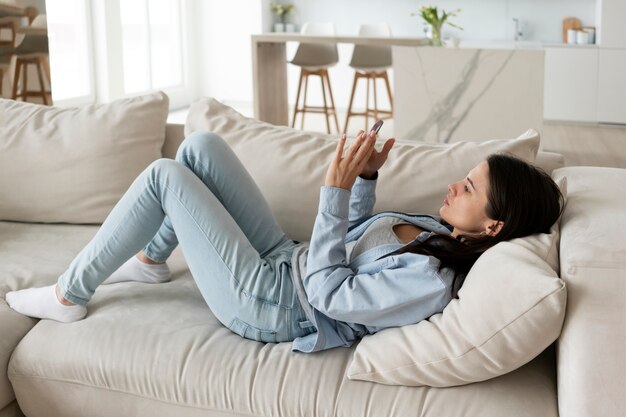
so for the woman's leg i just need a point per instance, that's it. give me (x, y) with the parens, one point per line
(212, 160)
(236, 282)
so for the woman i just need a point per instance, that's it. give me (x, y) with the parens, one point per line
(358, 275)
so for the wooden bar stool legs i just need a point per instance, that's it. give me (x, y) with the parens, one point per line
(326, 109)
(374, 112)
(42, 67)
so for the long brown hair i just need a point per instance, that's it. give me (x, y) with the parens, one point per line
(523, 197)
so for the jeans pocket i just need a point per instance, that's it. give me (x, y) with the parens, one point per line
(247, 331)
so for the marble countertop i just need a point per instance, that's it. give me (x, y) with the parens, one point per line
(525, 44)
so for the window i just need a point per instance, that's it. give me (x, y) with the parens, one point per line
(151, 43)
(70, 59)
(104, 50)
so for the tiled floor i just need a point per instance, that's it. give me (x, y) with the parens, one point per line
(580, 144)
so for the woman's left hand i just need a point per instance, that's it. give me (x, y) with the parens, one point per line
(343, 170)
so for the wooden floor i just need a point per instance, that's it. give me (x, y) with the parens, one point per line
(580, 144)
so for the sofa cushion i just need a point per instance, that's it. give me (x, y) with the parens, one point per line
(510, 308)
(591, 349)
(414, 179)
(146, 350)
(33, 255)
(72, 165)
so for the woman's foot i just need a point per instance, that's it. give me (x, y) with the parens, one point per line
(45, 303)
(144, 270)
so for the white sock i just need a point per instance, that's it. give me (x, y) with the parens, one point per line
(43, 303)
(135, 270)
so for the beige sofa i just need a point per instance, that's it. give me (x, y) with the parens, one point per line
(164, 354)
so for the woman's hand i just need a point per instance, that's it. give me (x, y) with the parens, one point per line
(377, 159)
(343, 170)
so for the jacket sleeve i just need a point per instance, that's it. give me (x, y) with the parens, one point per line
(362, 199)
(385, 298)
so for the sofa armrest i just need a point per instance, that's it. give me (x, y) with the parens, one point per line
(591, 354)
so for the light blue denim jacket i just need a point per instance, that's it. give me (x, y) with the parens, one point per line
(373, 291)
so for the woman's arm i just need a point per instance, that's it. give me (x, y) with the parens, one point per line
(387, 296)
(401, 290)
(363, 195)
(362, 200)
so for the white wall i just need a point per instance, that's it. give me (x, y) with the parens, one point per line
(481, 19)
(223, 49)
(224, 27)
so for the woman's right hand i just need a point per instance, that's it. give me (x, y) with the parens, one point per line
(377, 159)
(344, 169)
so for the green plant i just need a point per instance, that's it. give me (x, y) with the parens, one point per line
(431, 15)
(282, 10)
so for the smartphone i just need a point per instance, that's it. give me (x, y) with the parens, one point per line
(377, 126)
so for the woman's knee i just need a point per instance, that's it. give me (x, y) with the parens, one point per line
(201, 146)
(162, 166)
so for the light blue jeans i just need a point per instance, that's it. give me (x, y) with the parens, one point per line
(236, 251)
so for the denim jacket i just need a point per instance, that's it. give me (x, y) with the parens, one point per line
(377, 289)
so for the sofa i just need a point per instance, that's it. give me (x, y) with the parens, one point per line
(165, 354)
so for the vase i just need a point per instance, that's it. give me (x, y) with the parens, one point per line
(436, 35)
(279, 27)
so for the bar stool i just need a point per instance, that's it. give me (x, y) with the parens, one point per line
(32, 50)
(315, 59)
(5, 61)
(371, 62)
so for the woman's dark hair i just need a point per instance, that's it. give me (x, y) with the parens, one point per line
(522, 196)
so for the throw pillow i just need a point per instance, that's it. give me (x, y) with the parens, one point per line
(414, 179)
(71, 165)
(510, 308)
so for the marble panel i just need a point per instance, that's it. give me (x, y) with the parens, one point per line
(444, 95)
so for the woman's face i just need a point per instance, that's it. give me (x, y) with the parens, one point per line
(465, 205)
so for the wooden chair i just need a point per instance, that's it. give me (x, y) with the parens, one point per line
(13, 19)
(371, 63)
(315, 59)
(33, 50)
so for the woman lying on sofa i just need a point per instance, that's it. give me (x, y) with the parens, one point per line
(360, 272)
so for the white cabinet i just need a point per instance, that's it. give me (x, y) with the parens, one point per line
(570, 84)
(610, 15)
(612, 86)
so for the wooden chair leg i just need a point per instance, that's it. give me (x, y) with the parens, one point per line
(25, 81)
(42, 86)
(325, 105)
(306, 85)
(367, 104)
(295, 110)
(388, 91)
(375, 98)
(349, 112)
(332, 100)
(16, 78)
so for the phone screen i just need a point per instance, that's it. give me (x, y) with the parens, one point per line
(377, 126)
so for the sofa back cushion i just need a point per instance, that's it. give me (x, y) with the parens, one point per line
(290, 165)
(71, 165)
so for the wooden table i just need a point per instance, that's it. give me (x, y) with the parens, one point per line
(10, 10)
(269, 66)
(28, 30)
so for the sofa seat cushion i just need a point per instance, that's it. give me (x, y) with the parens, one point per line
(32, 255)
(147, 350)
